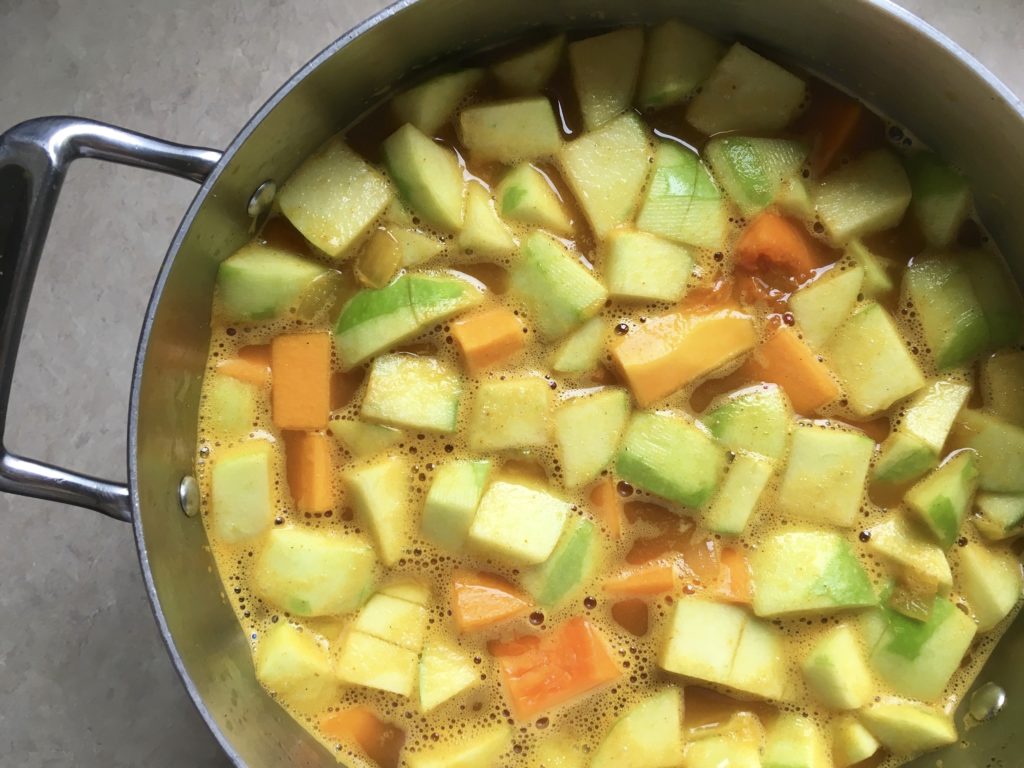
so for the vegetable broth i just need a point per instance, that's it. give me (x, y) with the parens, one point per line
(653, 528)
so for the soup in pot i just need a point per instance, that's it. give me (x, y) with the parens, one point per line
(619, 401)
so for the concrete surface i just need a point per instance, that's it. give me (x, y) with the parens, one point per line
(84, 678)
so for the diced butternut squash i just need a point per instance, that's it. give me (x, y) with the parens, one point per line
(644, 580)
(670, 351)
(608, 505)
(541, 672)
(784, 359)
(488, 338)
(775, 242)
(252, 365)
(481, 600)
(381, 741)
(301, 392)
(309, 470)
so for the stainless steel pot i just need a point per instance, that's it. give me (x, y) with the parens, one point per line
(874, 49)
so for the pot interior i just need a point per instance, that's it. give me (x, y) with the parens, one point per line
(871, 49)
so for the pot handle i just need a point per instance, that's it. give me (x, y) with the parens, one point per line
(34, 158)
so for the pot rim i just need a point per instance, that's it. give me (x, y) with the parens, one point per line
(889, 12)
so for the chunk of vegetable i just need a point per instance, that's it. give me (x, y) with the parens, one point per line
(722, 644)
(914, 445)
(991, 583)
(374, 320)
(656, 445)
(873, 362)
(334, 197)
(681, 201)
(428, 177)
(755, 419)
(940, 291)
(259, 281)
(410, 391)
(430, 105)
(452, 501)
(1000, 448)
(395, 620)
(941, 500)
(580, 351)
(541, 672)
(526, 195)
(379, 492)
(753, 170)
(906, 727)
(869, 194)
(784, 359)
(836, 671)
(738, 497)
(519, 523)
(672, 350)
(363, 440)
(529, 71)
(920, 558)
(482, 748)
(795, 741)
(573, 561)
(878, 282)
(746, 92)
(587, 431)
(604, 72)
(678, 59)
(648, 735)
(310, 473)
(851, 742)
(314, 573)
(998, 296)
(294, 664)
(1002, 386)
(771, 240)
(559, 291)
(606, 169)
(488, 338)
(301, 388)
(242, 496)
(252, 365)
(653, 578)
(511, 132)
(642, 267)
(483, 231)
(605, 499)
(824, 478)
(514, 413)
(917, 658)
(381, 741)
(1000, 515)
(808, 571)
(941, 198)
(821, 307)
(230, 405)
(445, 672)
(374, 663)
(481, 600)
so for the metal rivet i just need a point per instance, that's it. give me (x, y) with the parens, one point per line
(262, 198)
(188, 496)
(987, 701)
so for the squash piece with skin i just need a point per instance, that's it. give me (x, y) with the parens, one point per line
(672, 350)
(429, 105)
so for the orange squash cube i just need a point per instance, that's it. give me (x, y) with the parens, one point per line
(488, 338)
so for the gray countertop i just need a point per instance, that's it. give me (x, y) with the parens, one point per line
(84, 678)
